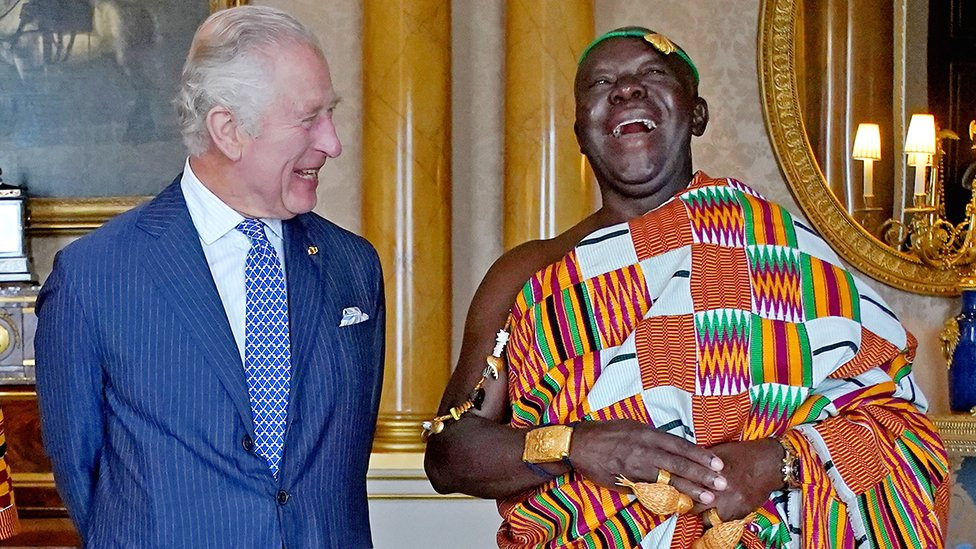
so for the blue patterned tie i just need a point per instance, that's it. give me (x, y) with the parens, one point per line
(267, 349)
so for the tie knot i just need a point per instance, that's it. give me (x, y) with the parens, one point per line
(253, 229)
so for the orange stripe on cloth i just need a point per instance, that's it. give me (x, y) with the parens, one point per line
(854, 451)
(666, 351)
(9, 522)
(670, 219)
(873, 352)
(719, 418)
(736, 290)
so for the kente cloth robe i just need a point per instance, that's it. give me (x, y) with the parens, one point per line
(720, 317)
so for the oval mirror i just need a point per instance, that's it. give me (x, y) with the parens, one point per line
(826, 69)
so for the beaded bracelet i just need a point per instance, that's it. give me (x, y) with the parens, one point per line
(495, 365)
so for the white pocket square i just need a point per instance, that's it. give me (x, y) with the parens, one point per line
(352, 315)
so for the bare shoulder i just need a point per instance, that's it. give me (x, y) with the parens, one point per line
(489, 310)
(505, 278)
(514, 268)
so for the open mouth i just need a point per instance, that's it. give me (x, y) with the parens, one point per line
(311, 173)
(634, 125)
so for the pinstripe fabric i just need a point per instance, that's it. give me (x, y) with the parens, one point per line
(143, 398)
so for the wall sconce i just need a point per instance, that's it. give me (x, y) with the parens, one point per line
(936, 241)
(920, 141)
(867, 149)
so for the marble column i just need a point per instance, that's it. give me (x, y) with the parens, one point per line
(407, 203)
(546, 189)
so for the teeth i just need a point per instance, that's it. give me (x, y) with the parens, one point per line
(308, 173)
(651, 125)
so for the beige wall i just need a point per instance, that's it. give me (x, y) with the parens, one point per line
(721, 41)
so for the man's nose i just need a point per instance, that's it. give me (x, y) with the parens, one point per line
(327, 139)
(627, 88)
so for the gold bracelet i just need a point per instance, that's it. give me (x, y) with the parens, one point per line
(791, 464)
(547, 444)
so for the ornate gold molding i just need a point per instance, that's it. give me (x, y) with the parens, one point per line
(67, 216)
(221, 4)
(958, 433)
(781, 107)
(33, 480)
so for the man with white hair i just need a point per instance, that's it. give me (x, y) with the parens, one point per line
(210, 364)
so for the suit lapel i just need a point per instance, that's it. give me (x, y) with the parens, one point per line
(176, 262)
(311, 303)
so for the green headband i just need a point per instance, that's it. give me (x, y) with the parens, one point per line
(660, 42)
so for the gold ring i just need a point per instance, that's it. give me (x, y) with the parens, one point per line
(712, 517)
(663, 476)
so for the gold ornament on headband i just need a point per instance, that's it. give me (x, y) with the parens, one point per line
(661, 43)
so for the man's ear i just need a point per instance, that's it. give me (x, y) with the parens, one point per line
(699, 117)
(579, 141)
(225, 132)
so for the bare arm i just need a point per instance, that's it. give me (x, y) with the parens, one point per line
(481, 454)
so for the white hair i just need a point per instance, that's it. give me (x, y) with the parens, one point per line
(228, 64)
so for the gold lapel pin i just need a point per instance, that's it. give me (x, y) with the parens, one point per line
(312, 250)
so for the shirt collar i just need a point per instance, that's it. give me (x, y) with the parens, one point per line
(211, 216)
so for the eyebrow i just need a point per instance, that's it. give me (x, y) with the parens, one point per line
(315, 110)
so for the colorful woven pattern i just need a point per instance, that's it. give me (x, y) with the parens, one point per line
(719, 317)
(9, 522)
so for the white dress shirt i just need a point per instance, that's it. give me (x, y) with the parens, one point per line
(225, 247)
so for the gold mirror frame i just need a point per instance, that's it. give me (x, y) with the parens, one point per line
(68, 216)
(781, 107)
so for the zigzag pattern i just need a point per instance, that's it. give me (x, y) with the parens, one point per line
(735, 362)
(723, 347)
(776, 287)
(743, 188)
(772, 406)
(715, 215)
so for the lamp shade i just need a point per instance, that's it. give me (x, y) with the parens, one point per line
(921, 135)
(867, 142)
(918, 159)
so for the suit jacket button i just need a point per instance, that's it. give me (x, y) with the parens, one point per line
(247, 443)
(283, 497)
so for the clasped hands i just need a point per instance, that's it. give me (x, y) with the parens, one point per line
(734, 478)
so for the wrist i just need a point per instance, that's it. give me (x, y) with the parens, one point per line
(790, 465)
(547, 444)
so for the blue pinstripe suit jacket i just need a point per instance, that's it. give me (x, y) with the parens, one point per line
(144, 403)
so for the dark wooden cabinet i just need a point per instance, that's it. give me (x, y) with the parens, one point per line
(43, 517)
(42, 513)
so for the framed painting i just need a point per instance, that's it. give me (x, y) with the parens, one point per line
(87, 123)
